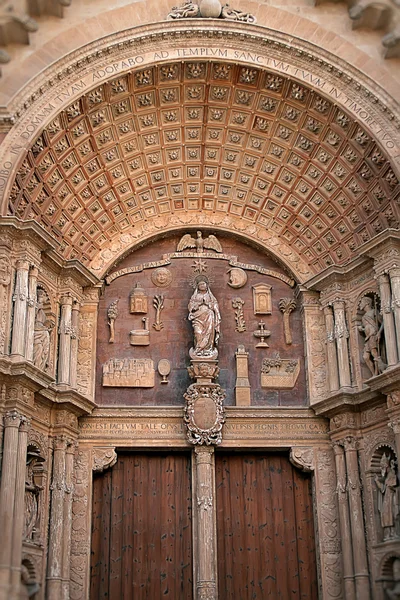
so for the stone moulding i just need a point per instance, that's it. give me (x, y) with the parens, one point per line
(204, 414)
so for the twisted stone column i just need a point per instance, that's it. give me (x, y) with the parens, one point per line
(20, 299)
(205, 527)
(12, 422)
(342, 335)
(64, 349)
(332, 362)
(55, 553)
(344, 523)
(388, 319)
(356, 520)
(74, 344)
(31, 312)
(19, 508)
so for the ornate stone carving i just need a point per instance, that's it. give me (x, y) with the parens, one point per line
(200, 243)
(128, 372)
(209, 9)
(161, 277)
(86, 345)
(302, 458)
(5, 280)
(371, 327)
(237, 277)
(287, 306)
(138, 300)
(103, 459)
(204, 414)
(158, 303)
(112, 314)
(237, 305)
(261, 333)
(388, 505)
(80, 533)
(279, 373)
(206, 319)
(203, 370)
(262, 301)
(140, 337)
(42, 329)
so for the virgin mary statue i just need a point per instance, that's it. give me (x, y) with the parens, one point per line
(206, 320)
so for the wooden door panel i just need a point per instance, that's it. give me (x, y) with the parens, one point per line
(265, 533)
(141, 532)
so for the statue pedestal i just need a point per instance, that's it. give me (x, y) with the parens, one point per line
(203, 370)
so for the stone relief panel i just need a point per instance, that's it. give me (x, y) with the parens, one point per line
(211, 328)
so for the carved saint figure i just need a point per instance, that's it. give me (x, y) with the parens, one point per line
(387, 501)
(371, 327)
(41, 338)
(32, 492)
(206, 319)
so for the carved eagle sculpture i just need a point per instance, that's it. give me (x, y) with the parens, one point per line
(200, 243)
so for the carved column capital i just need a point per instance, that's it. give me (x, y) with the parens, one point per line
(350, 443)
(60, 442)
(395, 425)
(302, 458)
(12, 418)
(66, 300)
(103, 458)
(204, 454)
(25, 424)
(22, 265)
(393, 399)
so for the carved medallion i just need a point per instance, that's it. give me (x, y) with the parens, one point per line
(161, 277)
(237, 278)
(204, 414)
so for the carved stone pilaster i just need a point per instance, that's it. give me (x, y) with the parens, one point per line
(341, 336)
(5, 280)
(332, 359)
(361, 572)
(388, 319)
(328, 526)
(394, 274)
(315, 334)
(64, 350)
(31, 310)
(344, 522)
(74, 343)
(204, 527)
(20, 299)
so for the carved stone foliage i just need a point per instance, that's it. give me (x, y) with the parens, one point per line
(103, 458)
(204, 414)
(96, 170)
(302, 458)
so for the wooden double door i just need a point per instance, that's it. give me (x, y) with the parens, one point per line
(142, 528)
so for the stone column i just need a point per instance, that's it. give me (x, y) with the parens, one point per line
(31, 312)
(205, 527)
(20, 299)
(356, 520)
(342, 335)
(55, 553)
(394, 424)
(388, 319)
(66, 542)
(332, 359)
(395, 286)
(74, 344)
(64, 349)
(344, 523)
(12, 422)
(19, 508)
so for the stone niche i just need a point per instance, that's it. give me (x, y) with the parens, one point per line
(173, 340)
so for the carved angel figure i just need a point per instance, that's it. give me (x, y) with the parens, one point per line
(206, 320)
(199, 243)
(371, 327)
(387, 501)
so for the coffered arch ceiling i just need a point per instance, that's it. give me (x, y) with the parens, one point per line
(236, 142)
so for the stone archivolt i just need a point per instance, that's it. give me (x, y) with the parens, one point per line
(196, 136)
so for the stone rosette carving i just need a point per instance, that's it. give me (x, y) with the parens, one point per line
(204, 414)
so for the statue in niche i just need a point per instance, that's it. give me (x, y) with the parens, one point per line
(371, 327)
(206, 320)
(41, 336)
(387, 500)
(32, 493)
